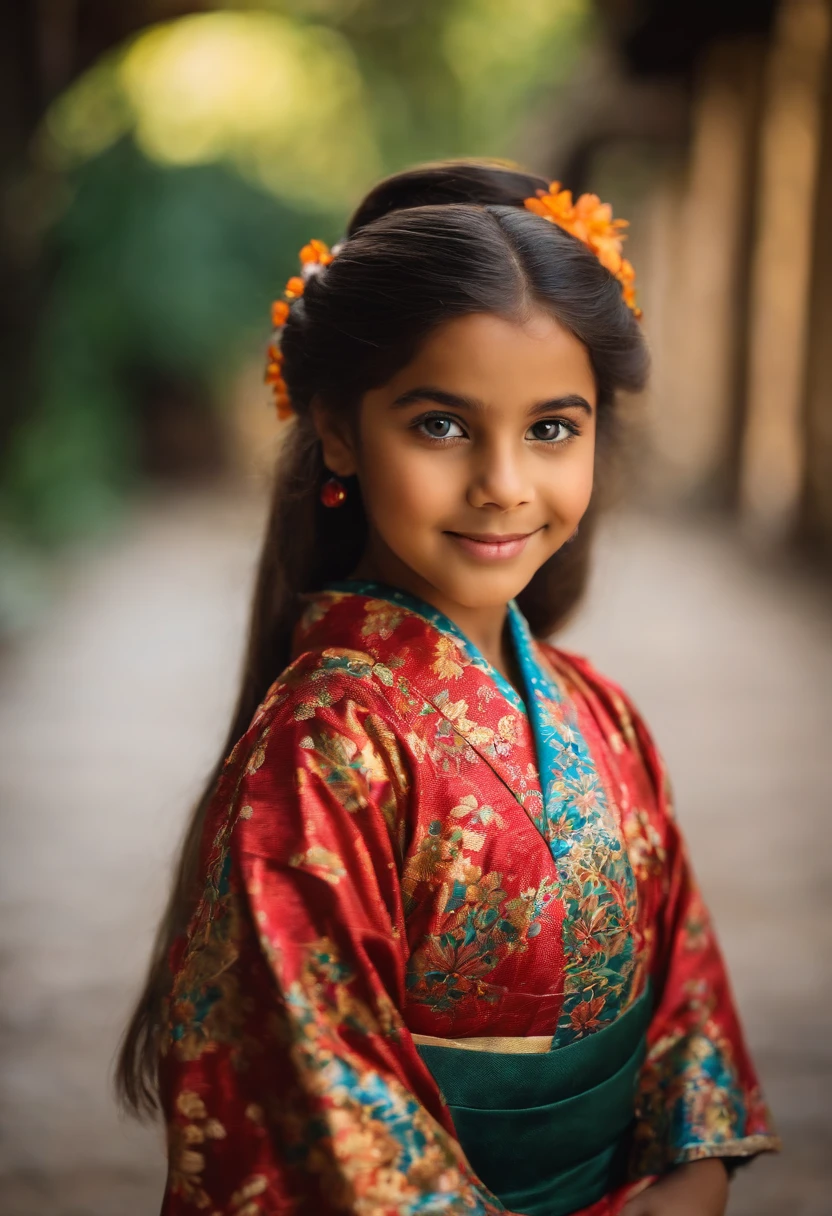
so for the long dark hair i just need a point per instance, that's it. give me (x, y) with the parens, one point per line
(427, 245)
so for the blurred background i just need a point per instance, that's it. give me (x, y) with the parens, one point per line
(162, 163)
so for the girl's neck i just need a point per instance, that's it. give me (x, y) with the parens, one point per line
(486, 627)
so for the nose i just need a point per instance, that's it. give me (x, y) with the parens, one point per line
(498, 478)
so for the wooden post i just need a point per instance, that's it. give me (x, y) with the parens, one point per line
(772, 452)
(702, 227)
(817, 505)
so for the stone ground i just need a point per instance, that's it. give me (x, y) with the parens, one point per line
(113, 706)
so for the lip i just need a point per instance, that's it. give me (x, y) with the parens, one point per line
(492, 546)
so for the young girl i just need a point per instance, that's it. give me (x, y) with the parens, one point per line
(434, 945)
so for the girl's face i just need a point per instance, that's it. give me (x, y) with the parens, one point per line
(476, 460)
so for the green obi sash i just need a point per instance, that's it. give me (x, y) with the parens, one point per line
(547, 1132)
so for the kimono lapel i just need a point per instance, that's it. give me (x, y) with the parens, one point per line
(597, 884)
(569, 777)
(434, 669)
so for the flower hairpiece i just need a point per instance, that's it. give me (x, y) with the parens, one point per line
(590, 221)
(313, 258)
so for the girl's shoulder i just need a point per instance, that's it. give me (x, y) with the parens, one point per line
(328, 706)
(614, 709)
(324, 679)
(582, 676)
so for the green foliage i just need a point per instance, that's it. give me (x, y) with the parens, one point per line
(154, 269)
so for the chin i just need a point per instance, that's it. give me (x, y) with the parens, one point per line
(481, 588)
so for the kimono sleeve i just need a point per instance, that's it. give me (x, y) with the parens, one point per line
(291, 1083)
(699, 1095)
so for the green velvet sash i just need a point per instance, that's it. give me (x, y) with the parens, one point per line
(547, 1132)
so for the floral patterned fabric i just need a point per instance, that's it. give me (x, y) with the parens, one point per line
(401, 844)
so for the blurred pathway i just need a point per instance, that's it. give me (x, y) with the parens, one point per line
(112, 711)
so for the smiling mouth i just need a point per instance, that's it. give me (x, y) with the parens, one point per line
(491, 545)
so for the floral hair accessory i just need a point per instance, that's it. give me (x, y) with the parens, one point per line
(590, 221)
(313, 258)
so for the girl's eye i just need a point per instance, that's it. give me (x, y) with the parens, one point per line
(439, 426)
(552, 430)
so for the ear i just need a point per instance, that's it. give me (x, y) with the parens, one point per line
(336, 440)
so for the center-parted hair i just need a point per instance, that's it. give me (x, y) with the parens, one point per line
(425, 247)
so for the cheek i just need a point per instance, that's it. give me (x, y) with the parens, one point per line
(568, 488)
(401, 481)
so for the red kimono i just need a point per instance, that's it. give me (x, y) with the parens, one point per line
(387, 855)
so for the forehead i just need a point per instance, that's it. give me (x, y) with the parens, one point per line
(492, 358)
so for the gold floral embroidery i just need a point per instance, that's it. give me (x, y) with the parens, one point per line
(381, 620)
(646, 851)
(258, 754)
(469, 807)
(446, 664)
(389, 1150)
(316, 857)
(187, 1162)
(243, 1200)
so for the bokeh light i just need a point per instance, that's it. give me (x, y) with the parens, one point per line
(284, 104)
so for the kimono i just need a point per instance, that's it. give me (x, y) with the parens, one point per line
(449, 955)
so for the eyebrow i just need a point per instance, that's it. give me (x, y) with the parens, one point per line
(427, 392)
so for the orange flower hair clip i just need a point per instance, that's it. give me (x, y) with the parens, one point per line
(313, 258)
(590, 221)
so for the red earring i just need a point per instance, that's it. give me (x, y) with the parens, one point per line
(333, 493)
